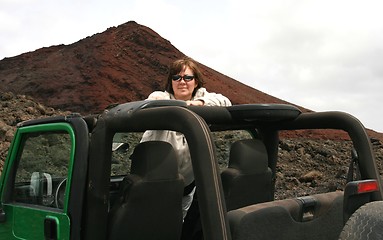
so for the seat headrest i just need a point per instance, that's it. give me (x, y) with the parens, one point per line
(154, 160)
(248, 156)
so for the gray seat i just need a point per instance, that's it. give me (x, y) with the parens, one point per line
(248, 179)
(149, 206)
(316, 217)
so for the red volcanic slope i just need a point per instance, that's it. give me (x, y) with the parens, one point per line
(122, 64)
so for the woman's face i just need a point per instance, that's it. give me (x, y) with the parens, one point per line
(182, 88)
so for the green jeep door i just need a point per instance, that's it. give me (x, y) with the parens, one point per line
(34, 183)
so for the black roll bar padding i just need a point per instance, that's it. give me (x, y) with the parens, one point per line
(175, 118)
(78, 178)
(97, 196)
(355, 129)
(270, 138)
(264, 112)
(213, 114)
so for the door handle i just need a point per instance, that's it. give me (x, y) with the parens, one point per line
(50, 228)
(2, 215)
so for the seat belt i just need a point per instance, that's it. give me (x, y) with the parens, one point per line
(354, 162)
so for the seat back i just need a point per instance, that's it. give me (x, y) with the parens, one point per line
(41, 188)
(316, 217)
(248, 179)
(149, 206)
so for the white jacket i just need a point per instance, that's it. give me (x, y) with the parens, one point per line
(209, 98)
(177, 139)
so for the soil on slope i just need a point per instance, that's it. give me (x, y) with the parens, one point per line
(122, 64)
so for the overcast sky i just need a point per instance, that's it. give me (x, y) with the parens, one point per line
(320, 54)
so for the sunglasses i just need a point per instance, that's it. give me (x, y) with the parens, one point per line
(187, 78)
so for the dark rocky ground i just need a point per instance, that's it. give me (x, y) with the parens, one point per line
(15, 109)
(306, 165)
(315, 166)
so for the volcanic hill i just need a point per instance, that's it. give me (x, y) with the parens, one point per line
(122, 64)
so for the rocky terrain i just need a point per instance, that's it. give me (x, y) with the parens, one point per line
(307, 166)
(15, 109)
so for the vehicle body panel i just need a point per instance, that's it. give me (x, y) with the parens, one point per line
(27, 220)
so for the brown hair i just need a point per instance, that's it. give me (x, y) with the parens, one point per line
(178, 66)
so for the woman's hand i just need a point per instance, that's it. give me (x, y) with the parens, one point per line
(195, 103)
(157, 95)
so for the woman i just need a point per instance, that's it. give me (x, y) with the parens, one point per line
(184, 83)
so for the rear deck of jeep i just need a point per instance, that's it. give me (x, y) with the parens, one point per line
(237, 165)
(237, 173)
(256, 206)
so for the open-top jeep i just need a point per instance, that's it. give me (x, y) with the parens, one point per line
(90, 177)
